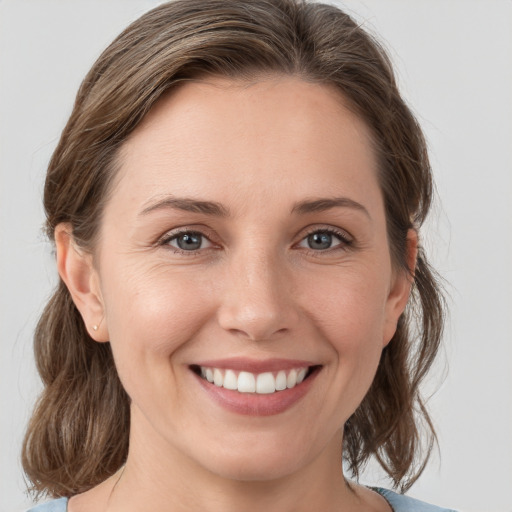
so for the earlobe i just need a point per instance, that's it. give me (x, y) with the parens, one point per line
(76, 269)
(401, 288)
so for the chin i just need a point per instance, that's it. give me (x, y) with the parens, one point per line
(255, 469)
(256, 457)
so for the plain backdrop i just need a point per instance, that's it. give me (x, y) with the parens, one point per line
(454, 63)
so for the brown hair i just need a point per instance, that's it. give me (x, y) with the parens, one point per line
(78, 434)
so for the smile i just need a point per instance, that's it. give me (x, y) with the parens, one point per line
(260, 383)
(256, 387)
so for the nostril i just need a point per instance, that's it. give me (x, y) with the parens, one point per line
(256, 318)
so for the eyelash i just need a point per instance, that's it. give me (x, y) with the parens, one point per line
(346, 242)
(169, 237)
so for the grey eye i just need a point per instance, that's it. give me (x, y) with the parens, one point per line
(324, 239)
(189, 241)
(320, 241)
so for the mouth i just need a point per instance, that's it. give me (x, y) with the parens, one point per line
(262, 383)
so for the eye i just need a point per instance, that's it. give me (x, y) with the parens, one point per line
(188, 241)
(324, 239)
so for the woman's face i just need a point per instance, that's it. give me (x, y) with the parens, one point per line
(245, 242)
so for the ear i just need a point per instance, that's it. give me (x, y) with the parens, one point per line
(76, 269)
(400, 288)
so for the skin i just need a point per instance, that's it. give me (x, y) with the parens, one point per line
(254, 289)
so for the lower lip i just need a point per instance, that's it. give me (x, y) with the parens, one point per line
(254, 404)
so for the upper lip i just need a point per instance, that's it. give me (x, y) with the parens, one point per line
(255, 365)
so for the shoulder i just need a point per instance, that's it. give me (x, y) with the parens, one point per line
(59, 505)
(401, 503)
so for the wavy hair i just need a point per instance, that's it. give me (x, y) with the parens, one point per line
(78, 433)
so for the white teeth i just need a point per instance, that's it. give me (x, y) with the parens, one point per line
(265, 383)
(300, 375)
(247, 382)
(230, 380)
(281, 381)
(291, 380)
(218, 378)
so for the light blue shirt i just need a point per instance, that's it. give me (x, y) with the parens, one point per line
(59, 505)
(398, 502)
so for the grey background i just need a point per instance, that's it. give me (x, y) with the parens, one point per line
(454, 62)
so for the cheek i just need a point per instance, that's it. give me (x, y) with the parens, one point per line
(349, 306)
(150, 314)
(351, 315)
(349, 312)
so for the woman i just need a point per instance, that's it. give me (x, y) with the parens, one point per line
(236, 203)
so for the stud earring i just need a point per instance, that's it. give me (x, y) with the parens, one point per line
(94, 327)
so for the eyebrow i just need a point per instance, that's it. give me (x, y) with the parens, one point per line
(218, 210)
(323, 204)
(188, 205)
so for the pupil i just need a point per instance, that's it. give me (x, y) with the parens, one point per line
(189, 241)
(320, 240)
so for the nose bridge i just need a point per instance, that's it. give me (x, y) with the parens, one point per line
(257, 300)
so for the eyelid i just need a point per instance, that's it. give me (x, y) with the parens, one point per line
(346, 240)
(175, 232)
(341, 233)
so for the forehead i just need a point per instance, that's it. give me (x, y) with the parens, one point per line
(218, 135)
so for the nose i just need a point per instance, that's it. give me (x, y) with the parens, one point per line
(257, 297)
